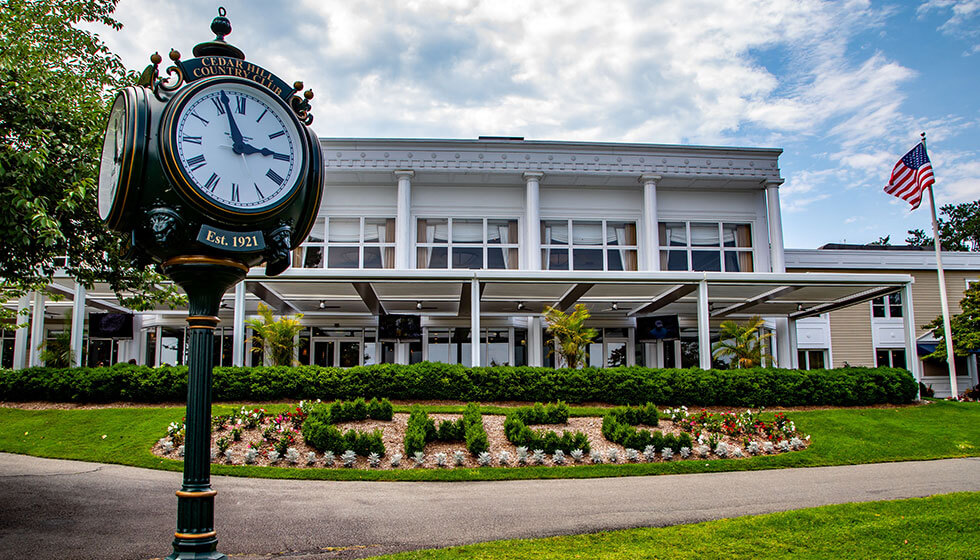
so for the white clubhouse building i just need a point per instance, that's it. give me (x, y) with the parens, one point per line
(478, 236)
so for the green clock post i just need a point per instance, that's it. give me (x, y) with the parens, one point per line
(208, 171)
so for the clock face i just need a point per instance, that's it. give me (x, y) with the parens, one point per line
(239, 147)
(112, 157)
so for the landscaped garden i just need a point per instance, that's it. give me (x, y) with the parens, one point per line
(368, 434)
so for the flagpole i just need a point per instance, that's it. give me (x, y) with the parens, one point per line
(950, 356)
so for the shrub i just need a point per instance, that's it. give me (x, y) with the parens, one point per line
(380, 410)
(852, 386)
(518, 432)
(618, 427)
(421, 430)
(320, 433)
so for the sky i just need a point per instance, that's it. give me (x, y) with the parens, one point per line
(844, 88)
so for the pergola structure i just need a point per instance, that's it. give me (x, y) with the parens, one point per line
(473, 294)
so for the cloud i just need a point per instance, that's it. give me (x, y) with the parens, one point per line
(963, 20)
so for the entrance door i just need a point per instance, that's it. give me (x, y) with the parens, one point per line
(339, 352)
(616, 352)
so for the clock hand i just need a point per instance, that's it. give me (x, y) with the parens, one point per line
(250, 149)
(236, 134)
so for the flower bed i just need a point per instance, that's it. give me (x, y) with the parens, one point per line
(257, 438)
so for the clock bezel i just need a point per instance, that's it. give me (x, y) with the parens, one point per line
(181, 179)
(134, 153)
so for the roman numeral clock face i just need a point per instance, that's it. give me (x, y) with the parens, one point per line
(238, 146)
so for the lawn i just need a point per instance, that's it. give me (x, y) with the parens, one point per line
(839, 437)
(942, 526)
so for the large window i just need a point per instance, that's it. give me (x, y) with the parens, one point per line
(348, 243)
(887, 306)
(885, 357)
(588, 245)
(472, 243)
(451, 345)
(811, 359)
(7, 338)
(706, 246)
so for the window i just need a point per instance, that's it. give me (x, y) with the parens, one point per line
(811, 359)
(885, 357)
(588, 245)
(467, 243)
(706, 246)
(350, 243)
(7, 338)
(887, 306)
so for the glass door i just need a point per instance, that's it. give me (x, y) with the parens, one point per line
(323, 352)
(337, 352)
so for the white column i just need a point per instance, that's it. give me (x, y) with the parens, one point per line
(784, 353)
(908, 321)
(535, 351)
(650, 243)
(794, 345)
(475, 323)
(78, 324)
(22, 337)
(704, 326)
(776, 259)
(532, 220)
(403, 219)
(37, 329)
(238, 327)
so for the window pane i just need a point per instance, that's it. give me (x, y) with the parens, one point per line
(344, 230)
(342, 257)
(881, 358)
(736, 235)
(370, 347)
(555, 259)
(878, 307)
(554, 232)
(615, 354)
(673, 234)
(437, 257)
(468, 231)
(816, 359)
(379, 230)
(433, 230)
(499, 258)
(801, 359)
(586, 233)
(439, 346)
(373, 257)
(502, 231)
(621, 233)
(673, 260)
(895, 304)
(467, 257)
(620, 259)
(312, 257)
(498, 347)
(588, 259)
(706, 260)
(520, 347)
(704, 235)
(898, 358)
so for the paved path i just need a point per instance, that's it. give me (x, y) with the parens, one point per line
(74, 510)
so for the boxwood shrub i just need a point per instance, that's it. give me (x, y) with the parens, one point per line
(850, 386)
(469, 428)
(520, 434)
(618, 427)
(320, 433)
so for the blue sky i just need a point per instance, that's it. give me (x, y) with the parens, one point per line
(844, 88)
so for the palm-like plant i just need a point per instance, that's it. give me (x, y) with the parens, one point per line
(743, 343)
(57, 352)
(276, 337)
(572, 334)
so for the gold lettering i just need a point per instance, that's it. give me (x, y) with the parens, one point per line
(211, 235)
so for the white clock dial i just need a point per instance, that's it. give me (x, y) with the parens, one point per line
(238, 146)
(112, 157)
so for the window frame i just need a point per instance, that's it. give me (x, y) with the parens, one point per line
(664, 248)
(321, 228)
(604, 247)
(888, 310)
(485, 245)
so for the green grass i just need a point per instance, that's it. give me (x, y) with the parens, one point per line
(839, 437)
(937, 527)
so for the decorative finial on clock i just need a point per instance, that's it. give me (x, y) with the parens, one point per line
(221, 26)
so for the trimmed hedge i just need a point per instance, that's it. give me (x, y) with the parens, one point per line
(518, 432)
(618, 427)
(469, 428)
(320, 433)
(430, 380)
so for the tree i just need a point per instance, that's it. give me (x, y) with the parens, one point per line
(276, 337)
(959, 228)
(743, 343)
(882, 241)
(58, 81)
(965, 326)
(571, 333)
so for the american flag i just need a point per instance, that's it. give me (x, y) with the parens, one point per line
(911, 175)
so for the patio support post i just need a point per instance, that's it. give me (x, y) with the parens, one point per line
(704, 333)
(793, 359)
(77, 324)
(403, 226)
(908, 322)
(21, 347)
(784, 358)
(238, 327)
(535, 344)
(651, 230)
(37, 329)
(777, 260)
(475, 322)
(532, 220)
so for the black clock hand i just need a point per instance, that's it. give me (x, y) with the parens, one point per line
(236, 135)
(250, 149)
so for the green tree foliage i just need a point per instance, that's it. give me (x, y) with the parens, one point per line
(58, 81)
(744, 343)
(965, 326)
(276, 337)
(572, 334)
(959, 228)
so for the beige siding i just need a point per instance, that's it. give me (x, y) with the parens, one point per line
(850, 336)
